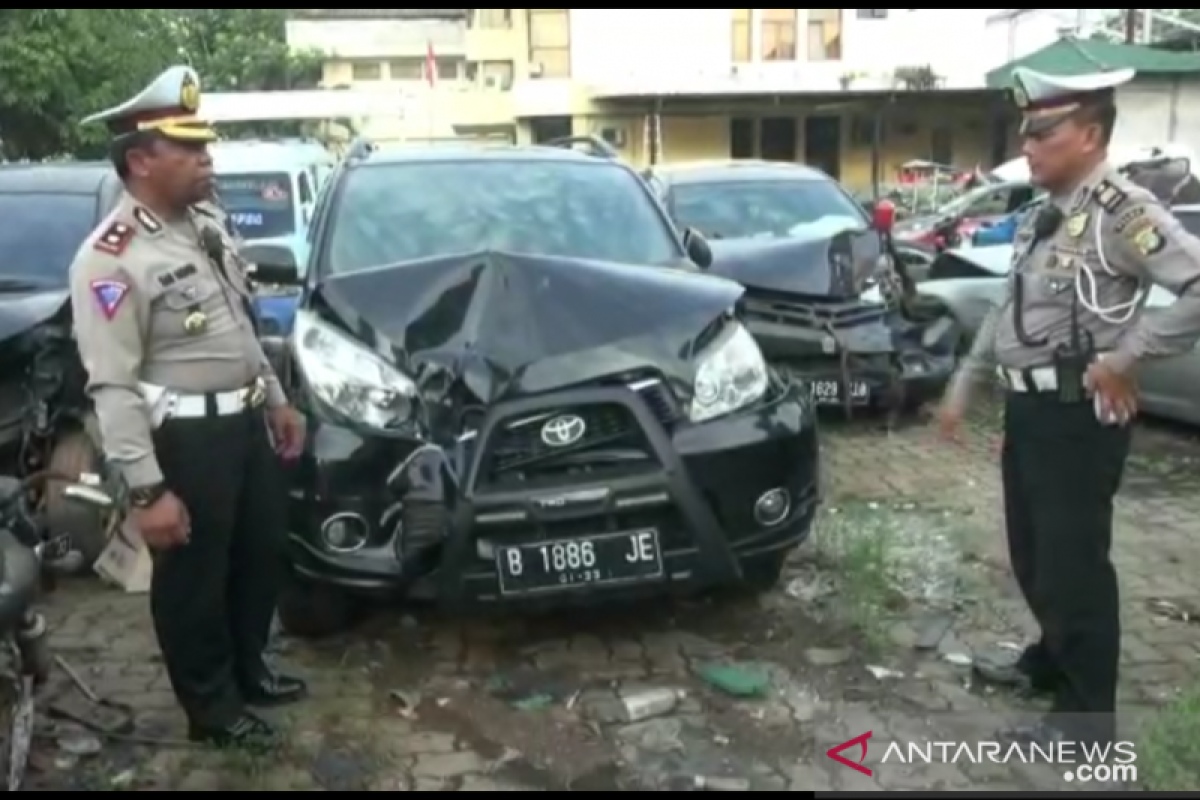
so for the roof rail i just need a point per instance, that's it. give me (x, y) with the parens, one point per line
(360, 149)
(591, 145)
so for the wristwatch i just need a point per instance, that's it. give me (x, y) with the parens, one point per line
(146, 496)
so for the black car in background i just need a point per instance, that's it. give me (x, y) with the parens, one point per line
(806, 251)
(521, 389)
(46, 211)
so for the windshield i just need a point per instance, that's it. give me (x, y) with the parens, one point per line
(260, 204)
(765, 209)
(40, 234)
(388, 213)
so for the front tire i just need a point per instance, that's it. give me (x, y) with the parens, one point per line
(88, 527)
(311, 610)
(763, 573)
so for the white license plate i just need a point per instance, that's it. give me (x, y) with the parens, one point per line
(604, 559)
(827, 392)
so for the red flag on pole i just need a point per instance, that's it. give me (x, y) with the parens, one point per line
(431, 69)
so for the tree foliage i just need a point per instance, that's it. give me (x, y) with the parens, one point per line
(59, 65)
(243, 50)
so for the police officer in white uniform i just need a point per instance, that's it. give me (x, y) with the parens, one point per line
(1066, 345)
(191, 414)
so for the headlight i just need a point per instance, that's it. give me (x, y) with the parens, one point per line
(732, 374)
(349, 379)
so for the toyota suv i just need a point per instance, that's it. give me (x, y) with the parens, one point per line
(522, 388)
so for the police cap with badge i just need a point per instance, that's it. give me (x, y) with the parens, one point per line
(167, 107)
(1047, 100)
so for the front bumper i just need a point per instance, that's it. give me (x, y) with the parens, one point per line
(696, 487)
(872, 361)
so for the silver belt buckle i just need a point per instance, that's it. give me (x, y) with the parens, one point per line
(256, 394)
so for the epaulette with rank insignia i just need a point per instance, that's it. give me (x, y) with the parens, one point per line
(1109, 197)
(115, 239)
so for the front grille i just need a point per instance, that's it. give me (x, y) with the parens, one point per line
(521, 443)
(822, 314)
(612, 438)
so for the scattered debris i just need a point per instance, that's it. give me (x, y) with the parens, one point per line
(650, 703)
(1175, 612)
(123, 780)
(736, 681)
(718, 784)
(406, 702)
(932, 631)
(883, 673)
(525, 692)
(827, 657)
(535, 702)
(958, 659)
(810, 588)
(658, 736)
(509, 756)
(80, 744)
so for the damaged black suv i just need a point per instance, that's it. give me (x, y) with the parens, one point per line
(520, 388)
(806, 253)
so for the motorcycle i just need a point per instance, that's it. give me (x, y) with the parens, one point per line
(27, 554)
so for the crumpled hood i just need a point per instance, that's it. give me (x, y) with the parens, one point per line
(508, 324)
(822, 266)
(20, 311)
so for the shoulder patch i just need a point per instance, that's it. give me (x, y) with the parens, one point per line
(1109, 196)
(109, 294)
(147, 220)
(115, 239)
(1145, 237)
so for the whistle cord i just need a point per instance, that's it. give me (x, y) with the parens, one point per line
(1087, 287)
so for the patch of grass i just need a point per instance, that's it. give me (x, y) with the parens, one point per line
(883, 558)
(859, 560)
(1169, 753)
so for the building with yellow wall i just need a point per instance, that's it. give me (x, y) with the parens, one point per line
(812, 85)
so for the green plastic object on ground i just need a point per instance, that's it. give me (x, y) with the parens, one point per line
(736, 681)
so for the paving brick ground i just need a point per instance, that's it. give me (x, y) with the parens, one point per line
(414, 702)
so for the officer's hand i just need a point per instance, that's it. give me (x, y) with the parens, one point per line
(1116, 393)
(287, 427)
(164, 525)
(950, 415)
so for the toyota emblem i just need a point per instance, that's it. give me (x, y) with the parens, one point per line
(563, 431)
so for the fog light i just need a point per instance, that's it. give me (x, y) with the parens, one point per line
(772, 508)
(344, 533)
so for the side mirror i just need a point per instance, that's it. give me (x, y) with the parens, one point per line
(697, 248)
(883, 216)
(272, 264)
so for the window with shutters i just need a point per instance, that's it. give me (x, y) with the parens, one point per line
(492, 18)
(742, 38)
(824, 34)
(550, 42)
(779, 34)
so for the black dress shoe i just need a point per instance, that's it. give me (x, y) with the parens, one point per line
(274, 690)
(1016, 676)
(247, 732)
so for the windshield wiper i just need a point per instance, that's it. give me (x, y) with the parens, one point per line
(19, 285)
